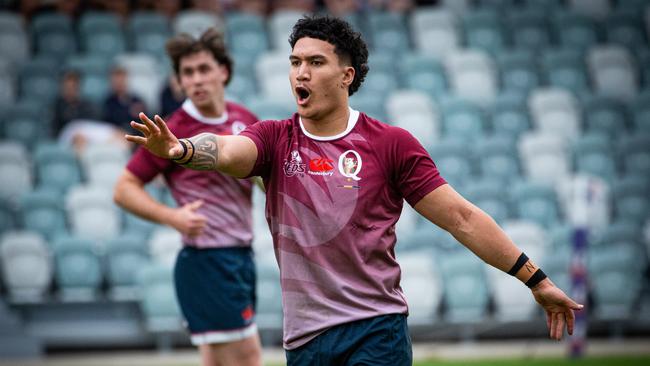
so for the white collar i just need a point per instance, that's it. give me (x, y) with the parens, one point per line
(352, 121)
(191, 109)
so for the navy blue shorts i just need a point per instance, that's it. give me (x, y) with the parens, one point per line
(216, 292)
(378, 341)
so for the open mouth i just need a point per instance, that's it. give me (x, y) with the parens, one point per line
(303, 94)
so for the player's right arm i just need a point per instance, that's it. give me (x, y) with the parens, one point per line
(130, 194)
(232, 155)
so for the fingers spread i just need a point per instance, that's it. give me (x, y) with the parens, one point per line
(137, 139)
(140, 127)
(559, 330)
(161, 124)
(549, 316)
(152, 126)
(553, 323)
(570, 321)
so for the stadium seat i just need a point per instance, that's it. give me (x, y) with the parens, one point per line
(8, 89)
(381, 61)
(472, 76)
(379, 84)
(42, 212)
(498, 158)
(556, 112)
(372, 105)
(145, 75)
(280, 24)
(529, 29)
(462, 120)
(125, 255)
(544, 157)
(453, 161)
(561, 238)
(640, 109)
(269, 293)
(530, 237)
(597, 9)
(78, 271)
(594, 155)
(92, 213)
(39, 79)
(565, 68)
(625, 28)
(242, 84)
(93, 70)
(423, 73)
(14, 44)
(272, 70)
(575, 31)
(518, 69)
(157, 298)
(435, 31)
(512, 300)
(26, 122)
(613, 72)
(414, 112)
(195, 22)
(484, 31)
(164, 245)
(535, 202)
(246, 34)
(510, 115)
(101, 34)
(556, 265)
(488, 194)
(421, 285)
(53, 35)
(631, 198)
(56, 167)
(266, 109)
(103, 164)
(634, 150)
(464, 286)
(8, 217)
(15, 170)
(26, 266)
(605, 115)
(148, 32)
(389, 33)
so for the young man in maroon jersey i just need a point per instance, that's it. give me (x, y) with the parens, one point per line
(214, 273)
(333, 221)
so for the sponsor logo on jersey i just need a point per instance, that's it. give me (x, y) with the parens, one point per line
(238, 127)
(350, 165)
(295, 165)
(321, 166)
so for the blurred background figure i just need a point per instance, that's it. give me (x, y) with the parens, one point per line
(70, 105)
(171, 97)
(121, 107)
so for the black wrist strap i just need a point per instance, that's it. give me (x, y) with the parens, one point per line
(536, 278)
(523, 258)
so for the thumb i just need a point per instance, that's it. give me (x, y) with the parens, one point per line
(195, 205)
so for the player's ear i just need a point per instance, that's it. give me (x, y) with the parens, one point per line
(348, 75)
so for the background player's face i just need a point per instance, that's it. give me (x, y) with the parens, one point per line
(202, 78)
(319, 80)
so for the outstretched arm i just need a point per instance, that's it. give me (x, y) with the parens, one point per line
(233, 155)
(480, 233)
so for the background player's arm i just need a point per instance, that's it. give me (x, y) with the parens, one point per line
(232, 155)
(480, 233)
(130, 194)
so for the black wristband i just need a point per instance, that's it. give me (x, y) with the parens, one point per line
(536, 278)
(523, 258)
(184, 145)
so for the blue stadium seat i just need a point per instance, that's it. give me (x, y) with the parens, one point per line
(464, 286)
(56, 167)
(634, 150)
(423, 73)
(8, 89)
(266, 109)
(462, 120)
(15, 171)
(453, 160)
(42, 212)
(148, 32)
(26, 122)
(421, 284)
(613, 72)
(604, 115)
(26, 266)
(510, 115)
(472, 76)
(242, 84)
(529, 29)
(379, 83)
(372, 105)
(53, 36)
(157, 298)
(14, 44)
(575, 31)
(78, 271)
(389, 32)
(631, 198)
(93, 70)
(556, 112)
(39, 79)
(92, 213)
(488, 194)
(535, 202)
(498, 158)
(269, 293)
(625, 27)
(640, 109)
(246, 34)
(484, 30)
(565, 68)
(195, 22)
(594, 155)
(125, 255)
(415, 112)
(519, 72)
(7, 216)
(101, 34)
(435, 31)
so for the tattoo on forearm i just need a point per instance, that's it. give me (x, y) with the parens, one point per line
(206, 152)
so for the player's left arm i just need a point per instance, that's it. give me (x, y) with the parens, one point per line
(480, 233)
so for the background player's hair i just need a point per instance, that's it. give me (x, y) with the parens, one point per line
(348, 44)
(211, 40)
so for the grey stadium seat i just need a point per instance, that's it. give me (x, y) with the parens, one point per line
(26, 266)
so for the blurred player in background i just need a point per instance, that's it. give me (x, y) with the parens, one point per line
(336, 180)
(214, 273)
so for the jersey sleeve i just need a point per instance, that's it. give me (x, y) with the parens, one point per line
(265, 135)
(146, 166)
(415, 174)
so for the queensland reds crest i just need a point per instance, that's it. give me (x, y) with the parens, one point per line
(238, 127)
(350, 164)
(295, 165)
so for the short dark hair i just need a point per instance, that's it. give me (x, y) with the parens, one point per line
(347, 42)
(211, 40)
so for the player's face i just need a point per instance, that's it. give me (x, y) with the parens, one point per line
(319, 80)
(202, 78)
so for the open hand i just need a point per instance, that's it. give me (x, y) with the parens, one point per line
(156, 137)
(558, 306)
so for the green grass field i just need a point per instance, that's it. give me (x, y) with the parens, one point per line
(592, 361)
